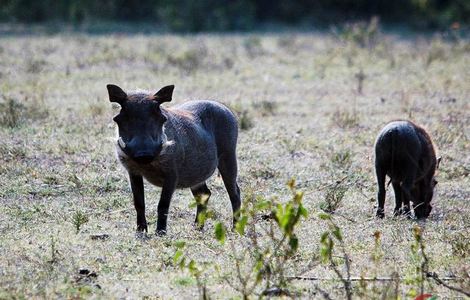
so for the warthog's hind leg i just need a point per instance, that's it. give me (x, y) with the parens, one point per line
(202, 194)
(381, 192)
(228, 169)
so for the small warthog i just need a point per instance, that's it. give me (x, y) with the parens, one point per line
(404, 151)
(177, 147)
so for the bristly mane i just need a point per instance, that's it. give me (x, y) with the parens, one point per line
(140, 95)
(179, 112)
(423, 131)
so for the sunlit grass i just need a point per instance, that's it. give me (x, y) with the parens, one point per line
(302, 116)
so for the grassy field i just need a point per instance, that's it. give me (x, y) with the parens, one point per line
(310, 106)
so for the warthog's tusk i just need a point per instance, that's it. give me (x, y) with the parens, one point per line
(121, 143)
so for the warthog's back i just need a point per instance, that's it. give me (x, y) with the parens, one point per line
(402, 145)
(211, 114)
(199, 132)
(215, 118)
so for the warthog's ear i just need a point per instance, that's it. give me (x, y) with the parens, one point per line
(116, 94)
(438, 162)
(164, 94)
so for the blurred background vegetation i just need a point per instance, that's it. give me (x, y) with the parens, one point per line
(216, 15)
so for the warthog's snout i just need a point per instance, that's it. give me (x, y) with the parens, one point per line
(144, 157)
(141, 155)
(141, 150)
(147, 156)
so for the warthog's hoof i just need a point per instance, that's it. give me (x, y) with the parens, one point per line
(160, 232)
(407, 213)
(380, 214)
(142, 228)
(141, 235)
(198, 227)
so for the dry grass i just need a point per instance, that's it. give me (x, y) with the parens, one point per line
(61, 185)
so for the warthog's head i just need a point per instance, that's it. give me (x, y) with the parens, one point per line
(424, 191)
(140, 122)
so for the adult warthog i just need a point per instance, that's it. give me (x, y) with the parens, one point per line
(404, 151)
(177, 147)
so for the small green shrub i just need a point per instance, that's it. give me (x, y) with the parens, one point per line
(260, 263)
(360, 77)
(11, 112)
(14, 113)
(266, 107)
(328, 242)
(184, 281)
(288, 42)
(333, 198)
(54, 252)
(436, 52)
(245, 117)
(96, 109)
(460, 245)
(362, 34)
(196, 16)
(195, 270)
(269, 260)
(35, 66)
(264, 172)
(9, 152)
(78, 220)
(342, 159)
(253, 46)
(190, 60)
(246, 120)
(420, 260)
(345, 119)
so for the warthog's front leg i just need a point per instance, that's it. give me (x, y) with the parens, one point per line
(137, 186)
(398, 198)
(167, 192)
(407, 196)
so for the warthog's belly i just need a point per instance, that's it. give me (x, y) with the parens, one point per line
(157, 177)
(197, 165)
(195, 174)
